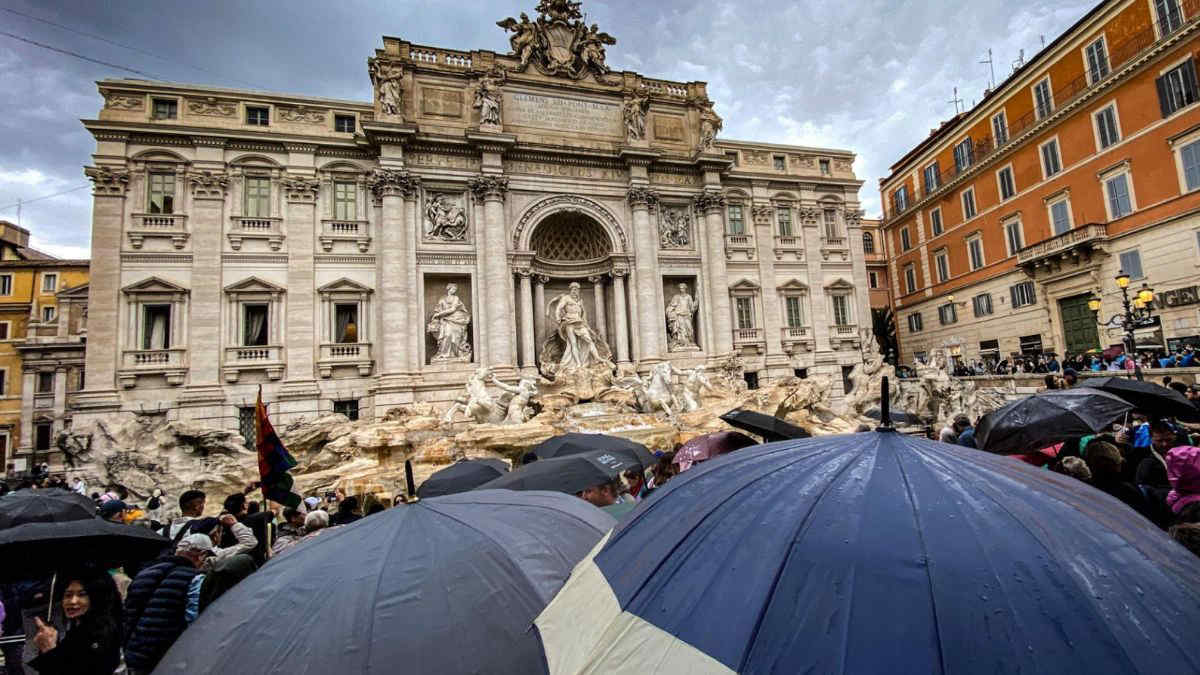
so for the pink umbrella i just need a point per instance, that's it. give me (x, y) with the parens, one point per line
(706, 447)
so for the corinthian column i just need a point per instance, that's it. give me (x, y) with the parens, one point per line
(496, 276)
(598, 295)
(300, 334)
(395, 291)
(712, 205)
(526, 296)
(620, 324)
(207, 219)
(764, 236)
(650, 315)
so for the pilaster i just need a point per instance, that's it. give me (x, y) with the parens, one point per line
(647, 280)
(206, 219)
(763, 214)
(712, 205)
(300, 334)
(392, 187)
(491, 189)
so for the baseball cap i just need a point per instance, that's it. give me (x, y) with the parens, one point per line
(111, 508)
(195, 543)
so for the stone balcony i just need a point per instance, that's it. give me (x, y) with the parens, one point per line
(266, 229)
(797, 338)
(355, 231)
(835, 246)
(844, 336)
(348, 354)
(172, 226)
(739, 245)
(1072, 246)
(169, 363)
(43, 401)
(268, 358)
(790, 246)
(749, 339)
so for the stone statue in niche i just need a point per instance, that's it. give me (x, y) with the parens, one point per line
(487, 98)
(445, 219)
(448, 325)
(634, 111)
(680, 325)
(674, 229)
(710, 125)
(389, 91)
(572, 346)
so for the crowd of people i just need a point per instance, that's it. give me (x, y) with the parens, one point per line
(1049, 363)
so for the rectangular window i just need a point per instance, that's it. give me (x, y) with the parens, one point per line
(1000, 128)
(1119, 202)
(968, 203)
(165, 109)
(841, 310)
(964, 155)
(1189, 156)
(1106, 126)
(162, 193)
(935, 221)
(345, 327)
(795, 313)
(247, 426)
(48, 314)
(783, 216)
(732, 156)
(1097, 60)
(1177, 88)
(49, 283)
(872, 279)
(1051, 161)
(258, 197)
(982, 304)
(5, 284)
(905, 240)
(1131, 264)
(1042, 99)
(345, 200)
(1008, 188)
(910, 279)
(156, 327)
(942, 262)
(825, 170)
(737, 224)
(45, 382)
(348, 408)
(1168, 15)
(4, 328)
(258, 116)
(1013, 237)
(43, 436)
(1022, 294)
(914, 323)
(831, 224)
(3, 382)
(947, 315)
(868, 243)
(255, 332)
(779, 162)
(745, 312)
(1060, 217)
(343, 123)
(933, 178)
(975, 252)
(900, 199)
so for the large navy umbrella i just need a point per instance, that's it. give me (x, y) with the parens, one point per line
(1035, 422)
(878, 553)
(462, 476)
(445, 585)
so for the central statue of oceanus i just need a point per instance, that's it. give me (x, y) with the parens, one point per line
(573, 345)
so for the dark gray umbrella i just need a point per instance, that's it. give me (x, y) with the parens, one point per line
(1038, 421)
(570, 474)
(462, 476)
(443, 585)
(1153, 399)
(577, 443)
(34, 550)
(771, 428)
(44, 506)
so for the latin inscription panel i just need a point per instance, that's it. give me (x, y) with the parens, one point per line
(562, 114)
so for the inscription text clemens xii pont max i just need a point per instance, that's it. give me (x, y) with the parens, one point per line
(562, 114)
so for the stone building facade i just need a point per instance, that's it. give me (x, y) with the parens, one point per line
(1085, 162)
(354, 256)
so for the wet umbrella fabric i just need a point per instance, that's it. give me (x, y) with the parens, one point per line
(1147, 397)
(577, 443)
(44, 506)
(897, 416)
(1037, 421)
(703, 448)
(461, 477)
(877, 553)
(771, 428)
(570, 474)
(443, 585)
(32, 550)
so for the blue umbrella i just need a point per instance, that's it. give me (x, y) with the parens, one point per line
(877, 553)
(443, 585)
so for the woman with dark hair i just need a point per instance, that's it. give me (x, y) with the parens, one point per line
(91, 643)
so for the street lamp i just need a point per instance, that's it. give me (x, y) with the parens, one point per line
(1136, 312)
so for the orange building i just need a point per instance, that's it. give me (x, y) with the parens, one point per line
(1085, 162)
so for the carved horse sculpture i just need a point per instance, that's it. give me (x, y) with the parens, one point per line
(659, 394)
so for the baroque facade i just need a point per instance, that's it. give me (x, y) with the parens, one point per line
(534, 213)
(1008, 219)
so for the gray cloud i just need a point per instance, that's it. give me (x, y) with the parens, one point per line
(869, 76)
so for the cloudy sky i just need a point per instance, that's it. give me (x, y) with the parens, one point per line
(872, 76)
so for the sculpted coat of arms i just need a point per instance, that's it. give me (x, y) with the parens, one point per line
(558, 42)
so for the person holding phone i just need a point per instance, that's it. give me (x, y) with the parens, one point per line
(91, 642)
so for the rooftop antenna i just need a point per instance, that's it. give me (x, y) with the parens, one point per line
(1019, 62)
(956, 101)
(991, 69)
(1043, 39)
(18, 211)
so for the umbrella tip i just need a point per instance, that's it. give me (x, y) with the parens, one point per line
(410, 484)
(885, 412)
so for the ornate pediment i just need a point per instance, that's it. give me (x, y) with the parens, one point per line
(744, 285)
(558, 42)
(839, 284)
(793, 286)
(344, 285)
(254, 285)
(154, 285)
(79, 292)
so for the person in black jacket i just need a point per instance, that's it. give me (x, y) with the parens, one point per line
(91, 643)
(156, 604)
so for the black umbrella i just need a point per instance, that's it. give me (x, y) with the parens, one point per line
(576, 443)
(897, 416)
(771, 428)
(444, 585)
(461, 477)
(570, 474)
(36, 549)
(1047, 418)
(1152, 399)
(44, 506)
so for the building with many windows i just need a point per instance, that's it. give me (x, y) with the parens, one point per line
(1085, 162)
(43, 328)
(357, 255)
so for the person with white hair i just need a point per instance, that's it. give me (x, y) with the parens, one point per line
(161, 601)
